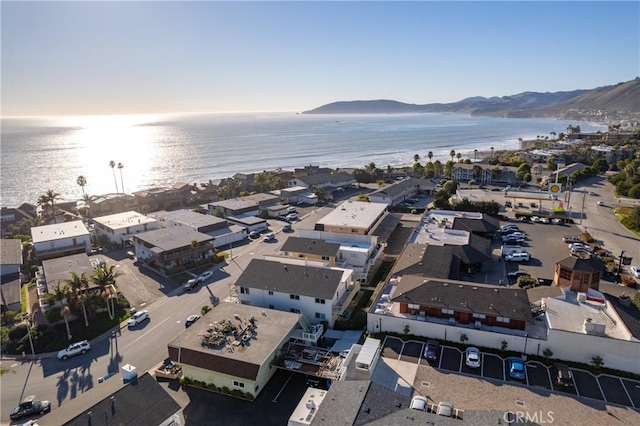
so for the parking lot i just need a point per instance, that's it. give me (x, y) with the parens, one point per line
(606, 388)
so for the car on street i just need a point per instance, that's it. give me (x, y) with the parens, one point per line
(518, 257)
(419, 402)
(286, 227)
(254, 234)
(635, 270)
(74, 349)
(472, 357)
(137, 318)
(190, 320)
(431, 350)
(269, 237)
(205, 276)
(600, 203)
(30, 407)
(131, 254)
(516, 368)
(292, 216)
(291, 209)
(192, 283)
(564, 376)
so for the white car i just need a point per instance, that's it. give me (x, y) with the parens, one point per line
(579, 246)
(635, 270)
(292, 216)
(137, 318)
(74, 349)
(205, 276)
(472, 357)
(518, 257)
(291, 209)
(270, 237)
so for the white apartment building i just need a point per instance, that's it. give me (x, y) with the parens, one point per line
(119, 227)
(60, 239)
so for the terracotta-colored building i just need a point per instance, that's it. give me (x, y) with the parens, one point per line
(578, 274)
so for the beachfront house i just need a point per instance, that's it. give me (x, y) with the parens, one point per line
(117, 229)
(60, 239)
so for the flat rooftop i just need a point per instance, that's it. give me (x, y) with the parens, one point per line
(172, 238)
(60, 268)
(58, 231)
(565, 313)
(431, 231)
(271, 328)
(123, 220)
(11, 252)
(189, 218)
(358, 214)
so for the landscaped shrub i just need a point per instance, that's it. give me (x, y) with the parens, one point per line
(586, 237)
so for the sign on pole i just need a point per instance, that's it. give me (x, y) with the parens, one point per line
(554, 189)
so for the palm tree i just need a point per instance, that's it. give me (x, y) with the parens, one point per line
(82, 182)
(492, 148)
(475, 153)
(231, 187)
(60, 291)
(48, 201)
(430, 155)
(459, 157)
(194, 246)
(64, 313)
(112, 164)
(120, 167)
(105, 278)
(416, 158)
(79, 284)
(261, 180)
(452, 153)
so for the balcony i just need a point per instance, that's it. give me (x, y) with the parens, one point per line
(346, 298)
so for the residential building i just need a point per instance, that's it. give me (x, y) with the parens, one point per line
(118, 228)
(107, 204)
(400, 191)
(249, 222)
(234, 345)
(10, 264)
(485, 174)
(249, 205)
(139, 402)
(11, 216)
(326, 181)
(163, 198)
(319, 293)
(567, 170)
(298, 194)
(170, 247)
(353, 217)
(60, 239)
(222, 232)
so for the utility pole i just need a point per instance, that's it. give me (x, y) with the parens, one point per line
(584, 198)
(619, 266)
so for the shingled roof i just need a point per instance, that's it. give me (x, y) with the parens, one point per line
(464, 297)
(294, 279)
(310, 246)
(486, 225)
(587, 265)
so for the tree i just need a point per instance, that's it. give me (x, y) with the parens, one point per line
(82, 182)
(194, 246)
(463, 338)
(48, 203)
(416, 158)
(105, 278)
(78, 285)
(547, 353)
(459, 157)
(437, 168)
(112, 164)
(430, 155)
(475, 153)
(64, 313)
(452, 153)
(120, 167)
(597, 362)
(448, 169)
(492, 148)
(261, 180)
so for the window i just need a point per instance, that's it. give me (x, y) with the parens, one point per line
(320, 316)
(238, 384)
(479, 316)
(320, 301)
(565, 274)
(245, 302)
(325, 257)
(447, 311)
(503, 319)
(272, 307)
(295, 311)
(413, 306)
(270, 293)
(244, 290)
(294, 297)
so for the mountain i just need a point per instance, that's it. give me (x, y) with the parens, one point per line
(609, 103)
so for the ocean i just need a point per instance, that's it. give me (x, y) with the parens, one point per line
(42, 153)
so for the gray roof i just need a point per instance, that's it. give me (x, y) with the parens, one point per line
(293, 279)
(189, 218)
(10, 290)
(487, 224)
(379, 403)
(464, 297)
(587, 265)
(426, 261)
(172, 238)
(327, 178)
(140, 402)
(11, 252)
(310, 246)
(342, 403)
(401, 186)
(60, 268)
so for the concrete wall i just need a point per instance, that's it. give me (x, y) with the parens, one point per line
(222, 380)
(618, 354)
(283, 302)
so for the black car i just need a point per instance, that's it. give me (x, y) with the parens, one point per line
(432, 350)
(28, 408)
(564, 377)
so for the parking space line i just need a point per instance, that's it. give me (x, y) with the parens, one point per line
(604, 398)
(626, 391)
(274, 400)
(551, 380)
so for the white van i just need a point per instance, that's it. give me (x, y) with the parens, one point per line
(506, 250)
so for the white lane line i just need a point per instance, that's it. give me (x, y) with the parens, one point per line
(160, 323)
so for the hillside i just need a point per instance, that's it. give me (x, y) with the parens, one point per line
(619, 102)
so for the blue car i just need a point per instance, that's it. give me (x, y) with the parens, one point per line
(516, 368)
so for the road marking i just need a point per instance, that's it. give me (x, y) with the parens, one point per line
(159, 324)
(274, 400)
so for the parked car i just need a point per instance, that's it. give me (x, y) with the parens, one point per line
(74, 349)
(29, 408)
(270, 237)
(516, 368)
(518, 257)
(564, 376)
(635, 270)
(292, 216)
(287, 227)
(137, 318)
(572, 239)
(579, 246)
(205, 276)
(291, 209)
(431, 350)
(190, 320)
(600, 203)
(472, 357)
(545, 220)
(509, 226)
(557, 221)
(131, 254)
(419, 402)
(512, 239)
(254, 234)
(192, 283)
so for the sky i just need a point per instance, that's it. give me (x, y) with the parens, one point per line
(85, 58)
